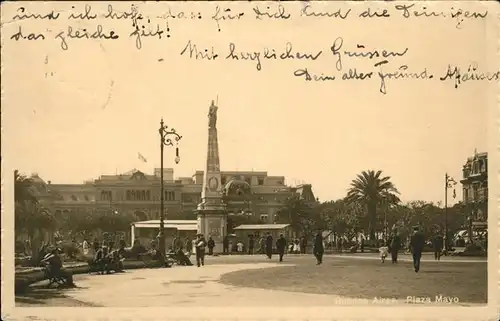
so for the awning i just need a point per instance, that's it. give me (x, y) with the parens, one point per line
(180, 225)
(261, 227)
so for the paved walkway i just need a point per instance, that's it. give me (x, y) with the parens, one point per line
(408, 258)
(192, 286)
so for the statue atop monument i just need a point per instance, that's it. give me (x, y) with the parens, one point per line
(212, 115)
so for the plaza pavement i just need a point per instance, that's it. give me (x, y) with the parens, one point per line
(192, 286)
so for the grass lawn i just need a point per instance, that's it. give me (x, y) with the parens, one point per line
(370, 278)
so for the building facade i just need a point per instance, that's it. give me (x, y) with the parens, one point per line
(255, 195)
(475, 189)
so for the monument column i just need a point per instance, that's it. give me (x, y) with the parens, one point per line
(211, 212)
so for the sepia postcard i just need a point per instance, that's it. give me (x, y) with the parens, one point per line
(299, 160)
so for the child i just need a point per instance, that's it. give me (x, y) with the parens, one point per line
(384, 251)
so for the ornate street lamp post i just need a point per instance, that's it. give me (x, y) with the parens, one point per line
(167, 138)
(449, 183)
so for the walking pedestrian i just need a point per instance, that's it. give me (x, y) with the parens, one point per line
(417, 243)
(269, 245)
(318, 248)
(281, 246)
(437, 243)
(394, 245)
(303, 244)
(251, 244)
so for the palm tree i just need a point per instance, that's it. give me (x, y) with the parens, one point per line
(32, 218)
(370, 189)
(23, 188)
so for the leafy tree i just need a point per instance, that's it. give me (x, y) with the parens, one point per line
(370, 189)
(342, 218)
(32, 218)
(303, 217)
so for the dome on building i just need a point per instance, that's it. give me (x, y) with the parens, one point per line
(237, 187)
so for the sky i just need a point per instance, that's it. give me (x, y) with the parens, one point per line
(77, 114)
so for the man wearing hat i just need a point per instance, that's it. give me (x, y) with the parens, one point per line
(318, 248)
(394, 244)
(200, 245)
(417, 243)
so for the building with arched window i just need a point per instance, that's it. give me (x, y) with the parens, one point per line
(475, 189)
(255, 195)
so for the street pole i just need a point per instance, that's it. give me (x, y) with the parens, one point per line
(165, 140)
(446, 212)
(449, 182)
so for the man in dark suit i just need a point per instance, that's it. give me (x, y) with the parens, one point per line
(269, 245)
(417, 243)
(318, 248)
(394, 245)
(281, 246)
(437, 243)
(303, 244)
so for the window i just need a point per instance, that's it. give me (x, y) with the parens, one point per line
(264, 217)
(223, 180)
(139, 195)
(87, 198)
(106, 196)
(261, 181)
(248, 180)
(169, 195)
(475, 168)
(483, 166)
(74, 198)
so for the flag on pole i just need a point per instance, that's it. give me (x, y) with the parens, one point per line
(142, 158)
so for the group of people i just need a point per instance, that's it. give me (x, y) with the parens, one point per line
(259, 246)
(416, 246)
(106, 258)
(281, 245)
(198, 245)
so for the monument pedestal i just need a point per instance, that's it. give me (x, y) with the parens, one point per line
(213, 222)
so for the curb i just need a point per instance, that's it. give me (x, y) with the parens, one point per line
(25, 278)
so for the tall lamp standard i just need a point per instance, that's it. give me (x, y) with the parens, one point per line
(167, 138)
(449, 182)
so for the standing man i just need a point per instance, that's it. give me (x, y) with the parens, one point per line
(318, 248)
(188, 244)
(262, 245)
(200, 250)
(437, 243)
(269, 245)
(251, 244)
(417, 243)
(394, 245)
(303, 244)
(210, 245)
(85, 247)
(281, 246)
(225, 245)
(175, 243)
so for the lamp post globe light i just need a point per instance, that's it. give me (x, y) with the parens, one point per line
(168, 137)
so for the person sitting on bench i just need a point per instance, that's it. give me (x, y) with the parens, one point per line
(55, 269)
(182, 258)
(102, 260)
(116, 261)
